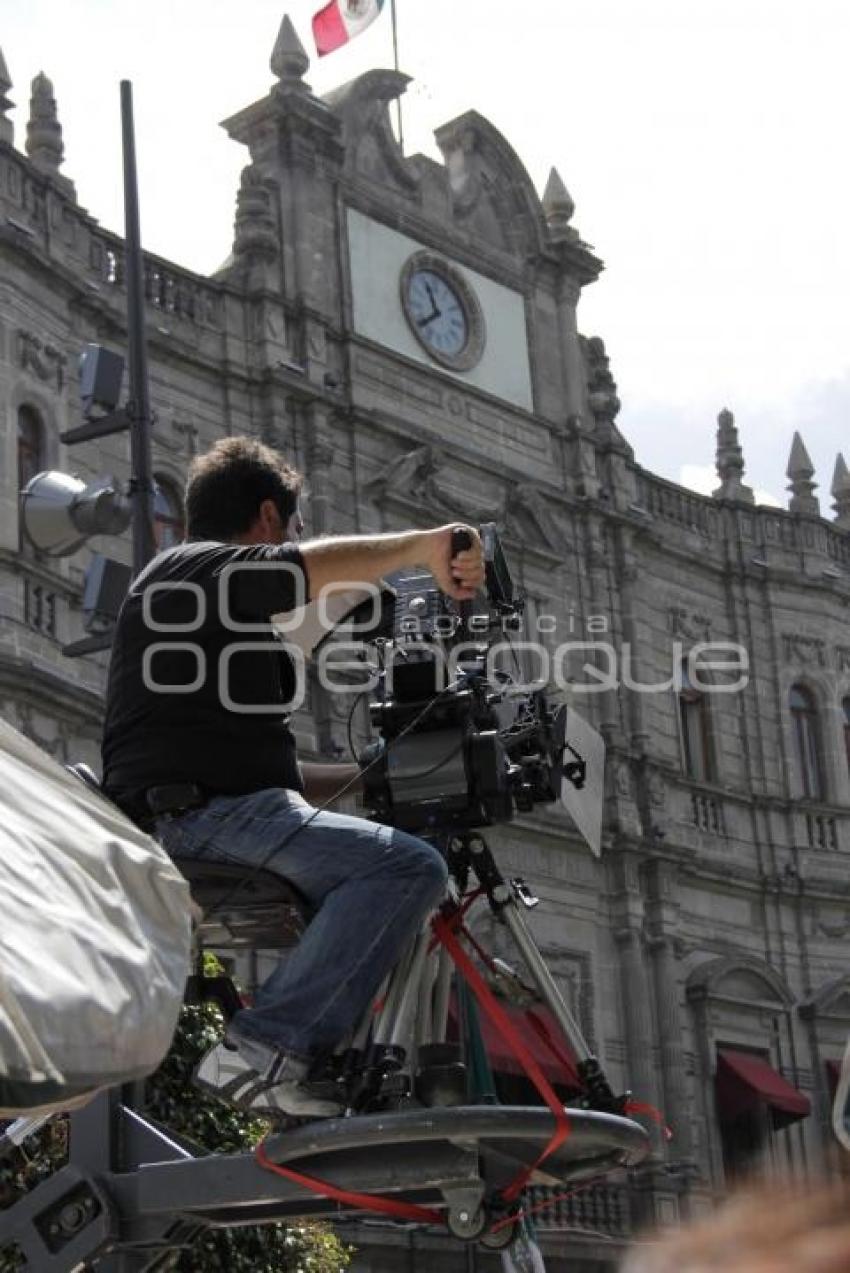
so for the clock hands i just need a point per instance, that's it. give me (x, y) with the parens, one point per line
(435, 310)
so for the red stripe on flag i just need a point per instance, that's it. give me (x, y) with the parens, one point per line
(329, 30)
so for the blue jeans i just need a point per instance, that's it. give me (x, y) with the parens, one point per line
(371, 886)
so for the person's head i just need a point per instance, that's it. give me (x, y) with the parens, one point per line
(241, 491)
(777, 1226)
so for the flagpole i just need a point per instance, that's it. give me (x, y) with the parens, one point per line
(395, 56)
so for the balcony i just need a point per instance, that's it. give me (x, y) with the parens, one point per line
(599, 1209)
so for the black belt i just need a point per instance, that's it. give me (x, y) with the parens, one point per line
(167, 801)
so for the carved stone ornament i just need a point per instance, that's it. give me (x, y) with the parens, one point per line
(522, 509)
(689, 624)
(836, 927)
(730, 462)
(810, 651)
(842, 658)
(181, 437)
(530, 503)
(411, 474)
(656, 790)
(44, 361)
(255, 227)
(602, 395)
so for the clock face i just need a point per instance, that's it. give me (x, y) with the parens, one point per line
(438, 312)
(442, 311)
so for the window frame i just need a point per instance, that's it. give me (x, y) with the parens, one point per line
(806, 737)
(694, 728)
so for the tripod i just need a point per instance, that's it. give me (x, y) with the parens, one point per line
(413, 1018)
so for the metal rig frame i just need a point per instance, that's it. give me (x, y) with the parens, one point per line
(132, 1193)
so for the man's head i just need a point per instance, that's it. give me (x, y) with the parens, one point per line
(241, 491)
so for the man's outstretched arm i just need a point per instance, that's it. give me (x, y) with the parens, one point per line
(367, 558)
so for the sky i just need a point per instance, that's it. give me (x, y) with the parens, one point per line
(704, 143)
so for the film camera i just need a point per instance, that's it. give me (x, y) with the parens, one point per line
(462, 742)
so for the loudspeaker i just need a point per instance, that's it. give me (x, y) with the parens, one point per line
(106, 587)
(101, 373)
(59, 513)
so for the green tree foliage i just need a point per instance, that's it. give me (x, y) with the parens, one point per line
(209, 1125)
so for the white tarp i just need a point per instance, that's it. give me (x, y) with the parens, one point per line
(95, 935)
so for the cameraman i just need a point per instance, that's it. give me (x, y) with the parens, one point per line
(197, 748)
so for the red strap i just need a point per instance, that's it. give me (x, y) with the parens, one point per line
(649, 1111)
(361, 1201)
(444, 931)
(549, 1041)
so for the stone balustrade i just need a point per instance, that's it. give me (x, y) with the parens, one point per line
(602, 1208)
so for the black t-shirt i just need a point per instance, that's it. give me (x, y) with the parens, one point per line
(193, 695)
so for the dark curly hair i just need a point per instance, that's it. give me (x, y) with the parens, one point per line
(227, 485)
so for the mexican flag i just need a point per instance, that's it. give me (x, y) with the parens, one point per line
(341, 20)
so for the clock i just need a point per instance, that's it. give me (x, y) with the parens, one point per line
(442, 311)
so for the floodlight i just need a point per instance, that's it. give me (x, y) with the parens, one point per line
(59, 513)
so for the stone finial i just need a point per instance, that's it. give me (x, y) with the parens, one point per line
(288, 60)
(255, 229)
(730, 461)
(558, 207)
(7, 129)
(841, 492)
(800, 471)
(44, 132)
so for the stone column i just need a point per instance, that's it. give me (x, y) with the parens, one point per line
(569, 292)
(320, 457)
(638, 1017)
(634, 980)
(663, 916)
(675, 1109)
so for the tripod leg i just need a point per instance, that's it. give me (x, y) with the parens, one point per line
(543, 979)
(395, 995)
(442, 994)
(403, 1025)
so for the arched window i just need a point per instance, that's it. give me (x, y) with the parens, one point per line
(846, 708)
(30, 445)
(30, 459)
(168, 521)
(804, 720)
(696, 738)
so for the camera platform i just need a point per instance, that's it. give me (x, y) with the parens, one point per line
(454, 1161)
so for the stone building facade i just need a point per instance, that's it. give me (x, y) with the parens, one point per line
(716, 920)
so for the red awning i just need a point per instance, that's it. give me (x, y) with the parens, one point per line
(541, 1034)
(745, 1080)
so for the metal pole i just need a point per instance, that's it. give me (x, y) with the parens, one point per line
(395, 58)
(141, 463)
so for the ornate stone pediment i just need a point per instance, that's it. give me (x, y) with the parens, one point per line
(370, 145)
(492, 192)
(422, 476)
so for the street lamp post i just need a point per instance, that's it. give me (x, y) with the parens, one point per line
(138, 407)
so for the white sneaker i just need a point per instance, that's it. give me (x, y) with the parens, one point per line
(260, 1080)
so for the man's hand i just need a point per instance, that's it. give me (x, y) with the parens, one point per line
(364, 559)
(459, 576)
